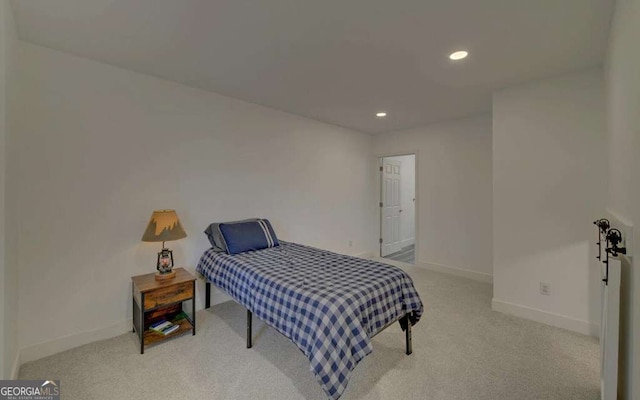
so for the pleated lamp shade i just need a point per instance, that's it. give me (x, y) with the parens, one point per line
(163, 227)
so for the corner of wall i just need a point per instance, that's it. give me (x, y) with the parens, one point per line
(15, 368)
(8, 270)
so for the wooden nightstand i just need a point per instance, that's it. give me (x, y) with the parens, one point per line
(156, 300)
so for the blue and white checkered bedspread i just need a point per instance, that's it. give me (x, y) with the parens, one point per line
(330, 305)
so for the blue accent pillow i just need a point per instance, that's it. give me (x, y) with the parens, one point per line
(215, 236)
(247, 236)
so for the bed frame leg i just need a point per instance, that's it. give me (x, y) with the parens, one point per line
(249, 315)
(407, 333)
(207, 297)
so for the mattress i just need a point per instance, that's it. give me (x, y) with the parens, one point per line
(330, 305)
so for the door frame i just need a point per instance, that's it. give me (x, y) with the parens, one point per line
(387, 193)
(378, 194)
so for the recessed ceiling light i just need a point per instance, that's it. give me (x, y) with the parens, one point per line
(381, 114)
(458, 55)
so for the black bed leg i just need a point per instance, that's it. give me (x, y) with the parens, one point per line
(249, 329)
(408, 336)
(207, 296)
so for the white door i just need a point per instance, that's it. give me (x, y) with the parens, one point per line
(391, 178)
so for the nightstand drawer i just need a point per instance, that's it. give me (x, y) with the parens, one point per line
(169, 294)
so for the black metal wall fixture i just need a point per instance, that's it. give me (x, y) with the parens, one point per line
(603, 225)
(613, 237)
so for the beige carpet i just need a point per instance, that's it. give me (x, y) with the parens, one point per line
(462, 350)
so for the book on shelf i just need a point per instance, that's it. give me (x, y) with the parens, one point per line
(158, 326)
(180, 316)
(164, 327)
(170, 329)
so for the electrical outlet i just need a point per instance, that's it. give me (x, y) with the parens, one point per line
(350, 243)
(545, 289)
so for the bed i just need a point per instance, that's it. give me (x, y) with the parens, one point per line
(330, 305)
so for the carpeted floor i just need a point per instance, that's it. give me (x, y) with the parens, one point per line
(462, 350)
(405, 255)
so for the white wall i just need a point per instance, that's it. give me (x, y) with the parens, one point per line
(453, 189)
(549, 184)
(8, 266)
(407, 194)
(3, 135)
(623, 105)
(100, 148)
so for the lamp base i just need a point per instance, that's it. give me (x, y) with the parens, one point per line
(164, 277)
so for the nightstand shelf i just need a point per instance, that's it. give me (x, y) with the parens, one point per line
(151, 337)
(154, 301)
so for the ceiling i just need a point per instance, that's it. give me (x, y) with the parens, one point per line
(338, 61)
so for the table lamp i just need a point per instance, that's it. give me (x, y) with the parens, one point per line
(163, 227)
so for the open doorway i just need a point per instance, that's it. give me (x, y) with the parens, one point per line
(398, 208)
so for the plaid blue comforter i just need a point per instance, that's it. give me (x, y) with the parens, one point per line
(330, 305)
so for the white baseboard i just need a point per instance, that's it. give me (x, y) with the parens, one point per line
(465, 273)
(367, 254)
(15, 368)
(51, 347)
(545, 317)
(54, 346)
(407, 242)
